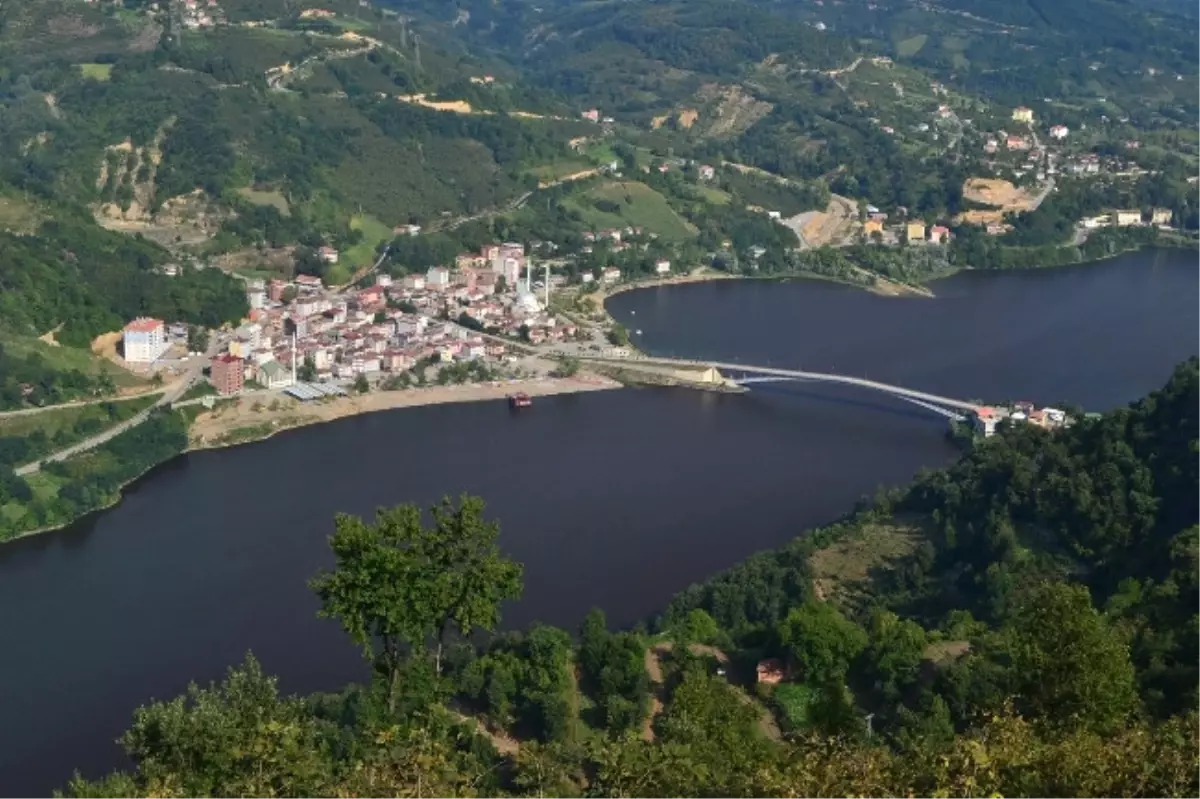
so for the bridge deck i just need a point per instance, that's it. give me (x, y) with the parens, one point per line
(922, 396)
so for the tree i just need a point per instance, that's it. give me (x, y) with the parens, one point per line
(822, 640)
(618, 335)
(397, 583)
(475, 577)
(894, 652)
(697, 628)
(1070, 666)
(567, 367)
(238, 738)
(361, 385)
(197, 339)
(307, 370)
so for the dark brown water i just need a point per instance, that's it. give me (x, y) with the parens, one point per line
(614, 499)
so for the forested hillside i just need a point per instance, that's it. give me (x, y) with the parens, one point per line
(1022, 623)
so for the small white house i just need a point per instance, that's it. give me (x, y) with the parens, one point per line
(662, 267)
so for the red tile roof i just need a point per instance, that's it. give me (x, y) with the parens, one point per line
(143, 325)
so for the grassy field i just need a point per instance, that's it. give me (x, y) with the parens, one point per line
(907, 48)
(637, 204)
(269, 197)
(18, 215)
(557, 169)
(374, 233)
(842, 571)
(66, 358)
(64, 427)
(713, 196)
(793, 700)
(96, 71)
(601, 153)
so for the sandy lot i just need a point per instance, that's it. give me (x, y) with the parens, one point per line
(832, 226)
(980, 217)
(252, 419)
(997, 193)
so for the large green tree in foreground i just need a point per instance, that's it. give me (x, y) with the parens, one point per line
(399, 584)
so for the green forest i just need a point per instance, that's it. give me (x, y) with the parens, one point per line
(1035, 634)
(63, 491)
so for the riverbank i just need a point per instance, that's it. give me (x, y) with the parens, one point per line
(887, 287)
(883, 287)
(245, 421)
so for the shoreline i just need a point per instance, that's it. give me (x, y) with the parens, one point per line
(377, 401)
(398, 400)
(897, 289)
(600, 298)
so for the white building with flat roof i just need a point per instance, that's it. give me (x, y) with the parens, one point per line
(144, 340)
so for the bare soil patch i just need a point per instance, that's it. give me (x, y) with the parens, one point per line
(998, 193)
(980, 218)
(735, 110)
(281, 260)
(105, 345)
(832, 226)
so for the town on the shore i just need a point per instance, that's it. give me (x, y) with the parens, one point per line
(301, 335)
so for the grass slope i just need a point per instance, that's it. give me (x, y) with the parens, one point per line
(374, 233)
(66, 426)
(639, 205)
(67, 358)
(269, 197)
(96, 71)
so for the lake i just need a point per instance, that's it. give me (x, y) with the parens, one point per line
(611, 499)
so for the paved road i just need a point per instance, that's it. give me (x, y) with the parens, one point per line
(1049, 187)
(75, 404)
(175, 391)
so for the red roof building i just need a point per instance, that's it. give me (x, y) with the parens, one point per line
(227, 374)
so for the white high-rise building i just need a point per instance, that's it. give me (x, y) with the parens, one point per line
(145, 339)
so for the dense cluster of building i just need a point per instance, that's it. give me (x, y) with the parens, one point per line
(986, 419)
(390, 326)
(1159, 217)
(200, 13)
(911, 231)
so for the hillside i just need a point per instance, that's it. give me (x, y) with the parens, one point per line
(244, 134)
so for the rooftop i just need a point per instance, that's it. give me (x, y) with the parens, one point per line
(143, 324)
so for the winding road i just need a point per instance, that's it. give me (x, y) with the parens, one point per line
(169, 395)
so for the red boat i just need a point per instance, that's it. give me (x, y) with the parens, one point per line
(519, 400)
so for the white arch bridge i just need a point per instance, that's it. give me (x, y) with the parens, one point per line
(716, 372)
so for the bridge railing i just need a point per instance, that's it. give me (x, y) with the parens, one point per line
(900, 391)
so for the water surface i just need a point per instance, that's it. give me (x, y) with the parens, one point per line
(612, 499)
